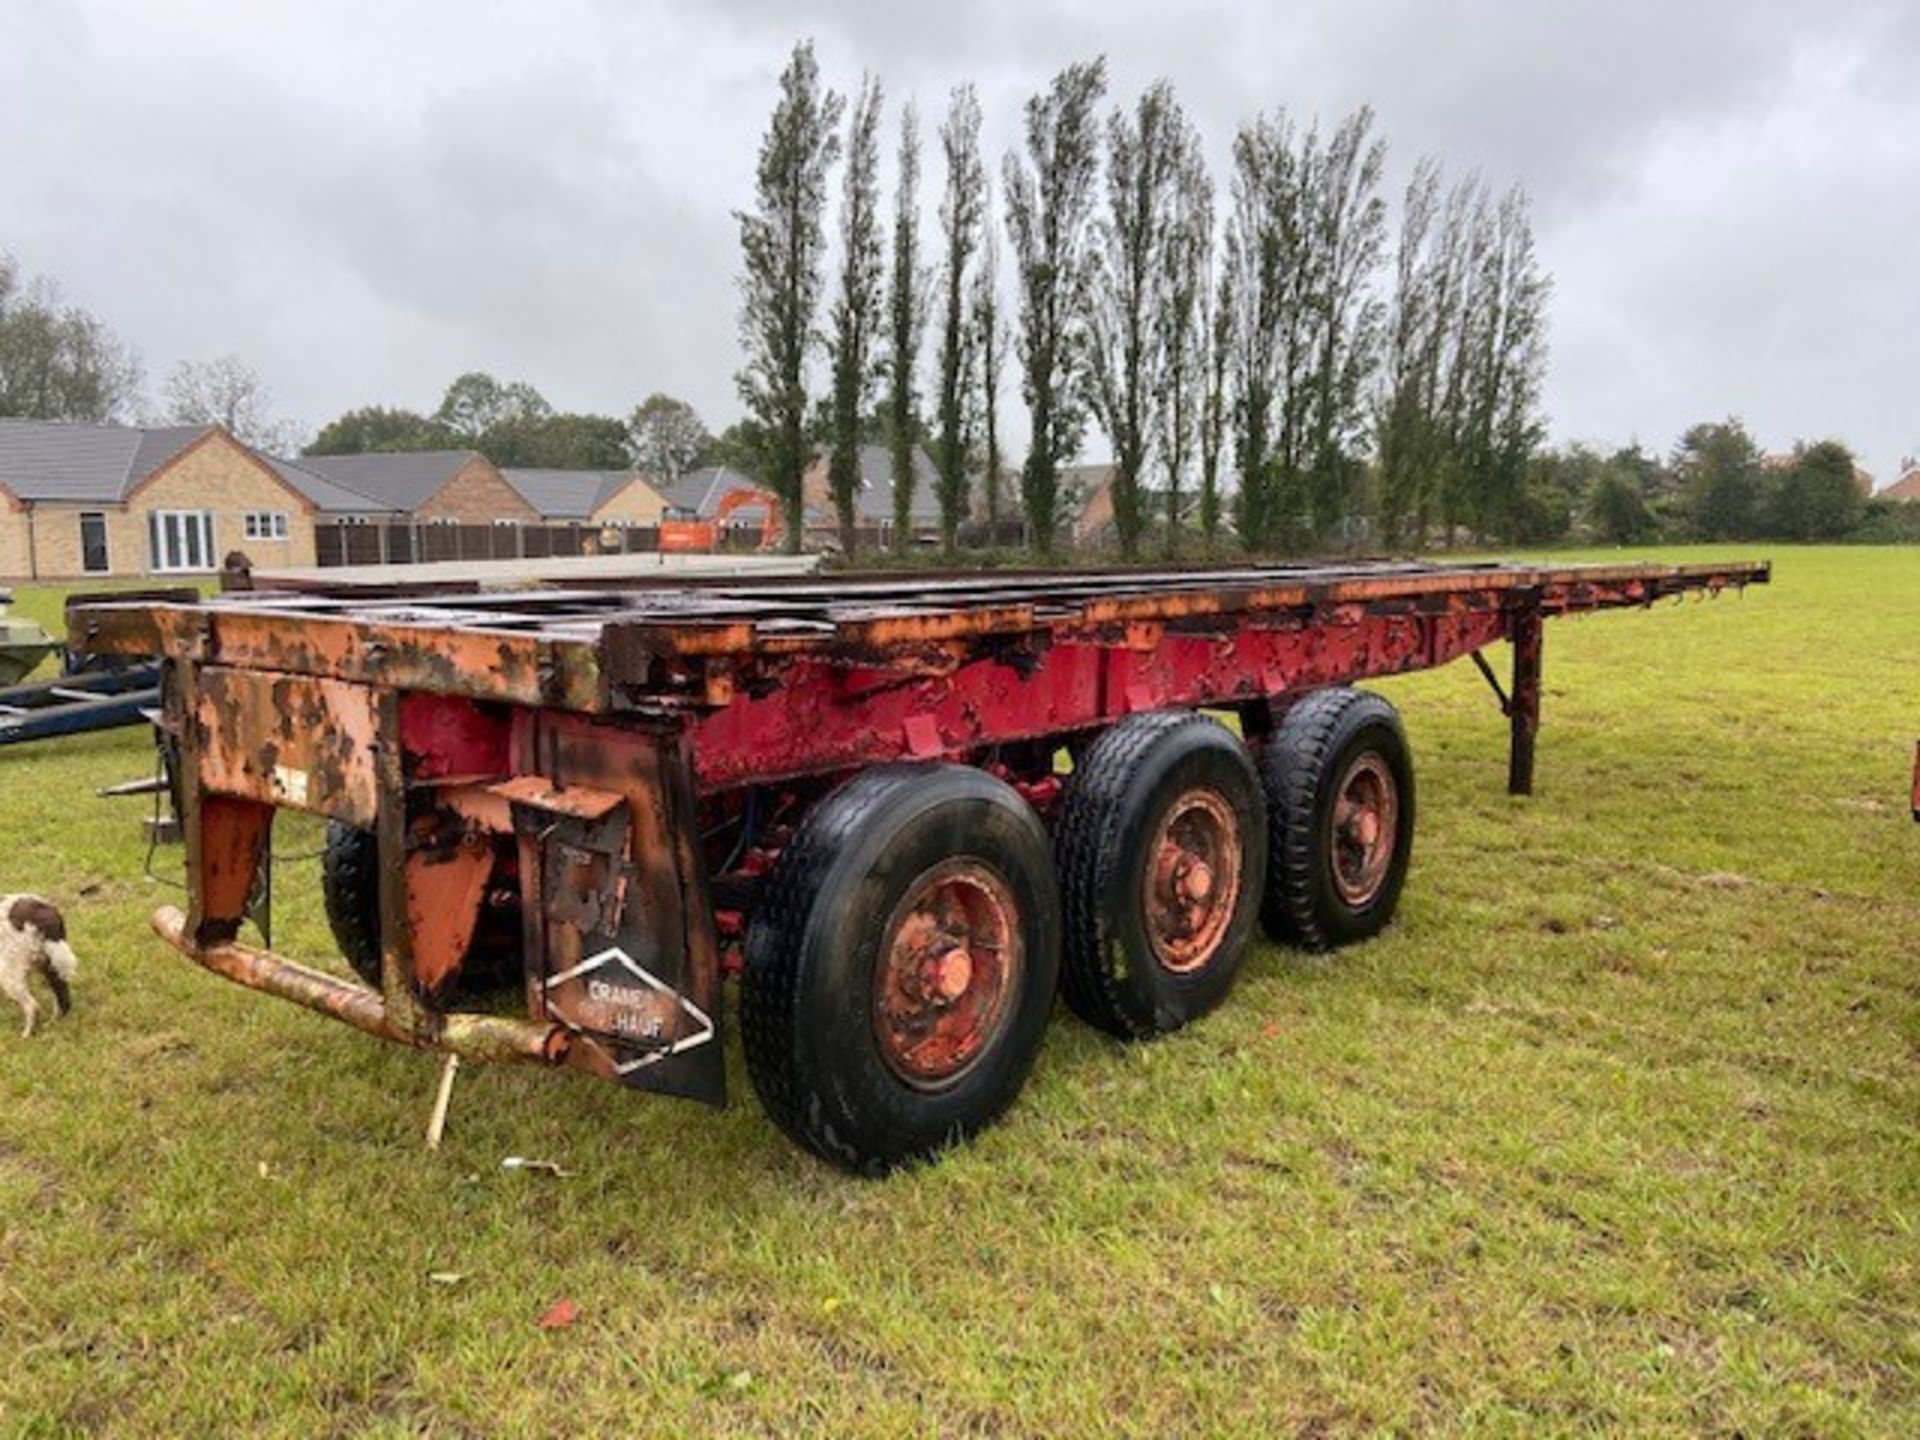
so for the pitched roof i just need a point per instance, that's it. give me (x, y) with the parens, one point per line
(570, 494)
(327, 497)
(1907, 487)
(401, 480)
(701, 491)
(60, 461)
(875, 500)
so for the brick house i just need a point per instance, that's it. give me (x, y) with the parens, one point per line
(873, 501)
(597, 499)
(456, 487)
(1907, 487)
(120, 500)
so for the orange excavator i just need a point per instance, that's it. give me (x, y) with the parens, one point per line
(680, 537)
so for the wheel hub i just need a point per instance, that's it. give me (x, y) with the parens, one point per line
(946, 973)
(1194, 866)
(1366, 811)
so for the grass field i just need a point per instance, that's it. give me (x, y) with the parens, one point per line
(1618, 1129)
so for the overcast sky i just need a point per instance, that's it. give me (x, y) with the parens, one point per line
(364, 199)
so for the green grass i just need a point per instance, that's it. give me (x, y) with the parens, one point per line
(1615, 1130)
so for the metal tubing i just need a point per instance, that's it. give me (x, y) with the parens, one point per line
(475, 1037)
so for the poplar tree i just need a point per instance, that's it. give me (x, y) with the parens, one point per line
(962, 217)
(907, 314)
(1127, 320)
(857, 310)
(783, 243)
(1049, 200)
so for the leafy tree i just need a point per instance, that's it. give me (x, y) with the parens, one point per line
(1719, 468)
(907, 317)
(1185, 325)
(962, 221)
(1502, 366)
(990, 332)
(1815, 496)
(666, 436)
(558, 442)
(1264, 267)
(1216, 400)
(377, 428)
(783, 243)
(1126, 320)
(742, 446)
(476, 403)
(58, 361)
(1456, 412)
(1050, 197)
(226, 392)
(1616, 511)
(856, 311)
(1346, 220)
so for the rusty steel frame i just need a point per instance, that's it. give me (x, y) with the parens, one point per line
(593, 733)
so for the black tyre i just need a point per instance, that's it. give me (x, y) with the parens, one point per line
(350, 890)
(1339, 783)
(1161, 846)
(901, 965)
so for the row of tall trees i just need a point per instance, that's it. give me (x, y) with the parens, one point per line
(1264, 337)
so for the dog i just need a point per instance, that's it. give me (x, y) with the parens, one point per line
(33, 937)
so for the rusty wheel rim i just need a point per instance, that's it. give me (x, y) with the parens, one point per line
(1193, 880)
(949, 963)
(1366, 828)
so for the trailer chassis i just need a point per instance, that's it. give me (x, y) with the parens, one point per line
(625, 768)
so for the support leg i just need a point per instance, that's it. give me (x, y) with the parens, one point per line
(1523, 708)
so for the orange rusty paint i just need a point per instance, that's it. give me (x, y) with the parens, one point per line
(541, 793)
(478, 1036)
(512, 666)
(226, 841)
(288, 740)
(446, 882)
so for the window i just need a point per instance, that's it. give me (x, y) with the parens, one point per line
(94, 559)
(266, 525)
(182, 539)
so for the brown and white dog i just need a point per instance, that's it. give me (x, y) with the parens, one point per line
(33, 937)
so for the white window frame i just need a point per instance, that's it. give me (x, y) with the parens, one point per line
(106, 541)
(265, 525)
(174, 557)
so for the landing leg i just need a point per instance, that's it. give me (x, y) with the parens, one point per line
(1523, 709)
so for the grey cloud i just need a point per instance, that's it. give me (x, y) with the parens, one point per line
(364, 199)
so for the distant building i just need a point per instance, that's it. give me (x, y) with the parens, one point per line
(445, 486)
(123, 500)
(1907, 487)
(595, 498)
(873, 499)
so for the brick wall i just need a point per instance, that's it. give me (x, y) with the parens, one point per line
(218, 475)
(635, 503)
(15, 563)
(477, 494)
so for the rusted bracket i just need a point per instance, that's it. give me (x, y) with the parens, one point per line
(1493, 680)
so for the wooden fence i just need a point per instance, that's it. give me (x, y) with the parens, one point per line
(337, 543)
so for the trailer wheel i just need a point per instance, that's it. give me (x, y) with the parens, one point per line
(1161, 846)
(350, 887)
(901, 966)
(350, 890)
(1339, 783)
